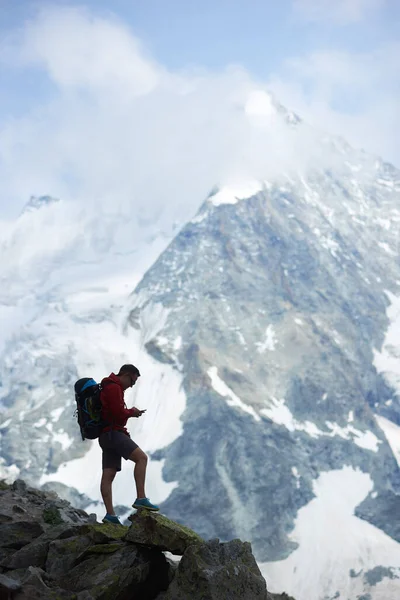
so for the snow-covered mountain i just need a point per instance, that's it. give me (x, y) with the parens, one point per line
(266, 335)
(66, 276)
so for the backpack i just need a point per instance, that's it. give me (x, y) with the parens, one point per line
(88, 408)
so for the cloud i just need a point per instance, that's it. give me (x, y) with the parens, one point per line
(80, 50)
(341, 12)
(122, 132)
(355, 95)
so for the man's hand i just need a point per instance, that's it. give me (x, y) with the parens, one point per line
(136, 412)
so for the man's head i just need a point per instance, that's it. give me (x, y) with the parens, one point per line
(128, 375)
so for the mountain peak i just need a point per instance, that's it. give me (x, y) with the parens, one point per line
(231, 194)
(38, 202)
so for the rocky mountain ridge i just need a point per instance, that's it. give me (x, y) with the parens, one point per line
(51, 551)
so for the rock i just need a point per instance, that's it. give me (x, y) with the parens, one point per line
(19, 486)
(85, 595)
(97, 561)
(34, 587)
(5, 518)
(33, 554)
(215, 571)
(129, 572)
(63, 554)
(34, 576)
(18, 509)
(52, 516)
(103, 532)
(20, 502)
(17, 574)
(19, 533)
(156, 530)
(8, 586)
(5, 555)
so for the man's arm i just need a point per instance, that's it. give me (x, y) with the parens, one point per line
(113, 403)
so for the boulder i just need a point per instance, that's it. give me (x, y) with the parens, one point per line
(157, 531)
(216, 571)
(5, 556)
(126, 572)
(31, 555)
(35, 587)
(62, 554)
(20, 486)
(19, 533)
(36, 553)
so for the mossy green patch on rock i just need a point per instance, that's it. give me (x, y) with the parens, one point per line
(111, 531)
(163, 520)
(52, 516)
(103, 548)
(155, 530)
(4, 485)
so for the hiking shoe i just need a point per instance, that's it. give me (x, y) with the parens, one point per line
(112, 519)
(145, 503)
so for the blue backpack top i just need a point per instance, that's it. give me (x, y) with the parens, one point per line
(88, 408)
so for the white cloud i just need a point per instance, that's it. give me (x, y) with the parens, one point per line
(354, 95)
(78, 49)
(120, 130)
(338, 11)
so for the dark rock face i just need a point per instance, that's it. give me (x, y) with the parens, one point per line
(89, 561)
(118, 572)
(213, 570)
(16, 535)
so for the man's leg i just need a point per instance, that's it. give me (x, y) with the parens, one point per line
(140, 460)
(106, 489)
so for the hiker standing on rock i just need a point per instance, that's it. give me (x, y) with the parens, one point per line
(116, 442)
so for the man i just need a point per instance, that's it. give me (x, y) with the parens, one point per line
(115, 440)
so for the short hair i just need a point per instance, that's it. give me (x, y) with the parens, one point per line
(129, 369)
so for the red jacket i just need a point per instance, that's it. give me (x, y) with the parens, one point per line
(114, 410)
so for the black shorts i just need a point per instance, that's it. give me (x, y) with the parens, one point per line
(115, 445)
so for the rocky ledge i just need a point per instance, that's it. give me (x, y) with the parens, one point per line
(52, 551)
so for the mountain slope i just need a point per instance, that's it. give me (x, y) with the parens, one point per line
(66, 277)
(275, 306)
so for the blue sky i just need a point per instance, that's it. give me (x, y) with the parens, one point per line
(259, 34)
(335, 63)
